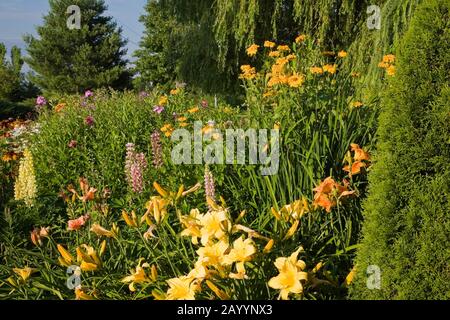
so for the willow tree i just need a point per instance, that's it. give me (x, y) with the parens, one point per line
(334, 23)
(211, 36)
(75, 59)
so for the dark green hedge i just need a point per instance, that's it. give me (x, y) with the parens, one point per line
(407, 214)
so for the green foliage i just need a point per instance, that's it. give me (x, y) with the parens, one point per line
(369, 46)
(335, 23)
(213, 35)
(406, 230)
(10, 76)
(179, 44)
(156, 60)
(318, 125)
(70, 61)
(15, 91)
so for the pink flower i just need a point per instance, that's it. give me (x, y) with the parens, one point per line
(204, 104)
(88, 94)
(143, 94)
(157, 150)
(72, 144)
(89, 121)
(40, 101)
(158, 109)
(76, 224)
(135, 165)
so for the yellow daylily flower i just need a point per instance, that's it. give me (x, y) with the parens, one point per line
(242, 251)
(330, 68)
(290, 275)
(157, 208)
(269, 44)
(199, 271)
(163, 100)
(81, 295)
(252, 50)
(212, 225)
(24, 273)
(160, 190)
(283, 48)
(88, 257)
(192, 225)
(182, 288)
(193, 110)
(138, 275)
(342, 54)
(300, 38)
(212, 254)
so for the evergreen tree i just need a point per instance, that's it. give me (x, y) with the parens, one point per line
(406, 232)
(12, 84)
(157, 55)
(73, 60)
(179, 44)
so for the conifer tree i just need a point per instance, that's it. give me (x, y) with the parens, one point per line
(404, 252)
(73, 60)
(11, 77)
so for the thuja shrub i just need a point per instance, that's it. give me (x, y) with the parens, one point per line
(406, 229)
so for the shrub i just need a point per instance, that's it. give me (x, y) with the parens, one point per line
(94, 160)
(406, 228)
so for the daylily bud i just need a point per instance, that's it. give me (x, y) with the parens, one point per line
(102, 248)
(160, 190)
(68, 258)
(180, 192)
(35, 238)
(268, 246)
(292, 230)
(276, 213)
(128, 220)
(158, 295)
(154, 273)
(222, 295)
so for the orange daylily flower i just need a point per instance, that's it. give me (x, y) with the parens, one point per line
(88, 192)
(360, 154)
(328, 192)
(355, 169)
(76, 224)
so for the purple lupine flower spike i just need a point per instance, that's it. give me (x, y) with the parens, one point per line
(157, 150)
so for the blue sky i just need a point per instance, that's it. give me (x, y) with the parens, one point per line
(18, 17)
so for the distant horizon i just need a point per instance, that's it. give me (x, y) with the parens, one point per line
(20, 17)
